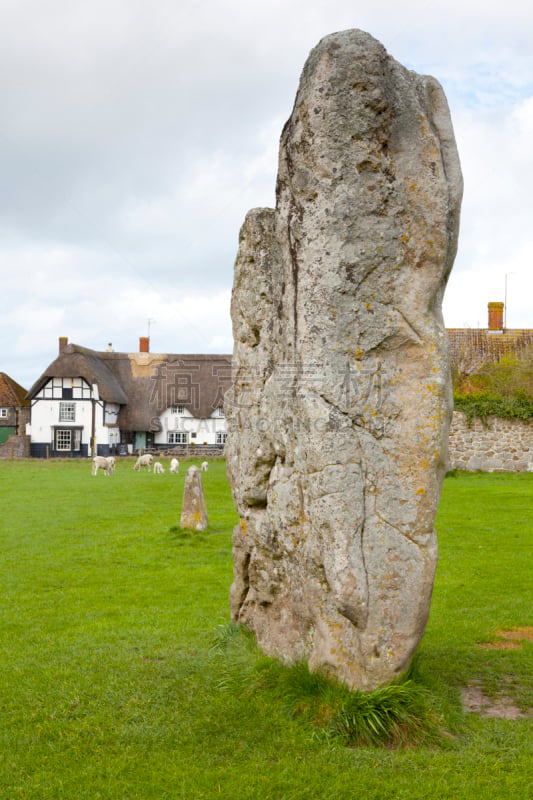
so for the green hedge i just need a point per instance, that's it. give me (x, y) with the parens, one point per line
(483, 404)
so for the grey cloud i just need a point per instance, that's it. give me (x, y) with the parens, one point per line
(132, 142)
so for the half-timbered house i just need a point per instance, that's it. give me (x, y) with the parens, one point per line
(99, 402)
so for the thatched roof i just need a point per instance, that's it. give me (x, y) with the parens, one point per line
(155, 381)
(12, 395)
(145, 384)
(80, 362)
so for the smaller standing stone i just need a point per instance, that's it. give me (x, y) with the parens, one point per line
(194, 509)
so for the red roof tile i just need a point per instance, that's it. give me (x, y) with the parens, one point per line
(12, 395)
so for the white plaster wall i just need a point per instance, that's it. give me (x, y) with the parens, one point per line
(111, 411)
(45, 412)
(206, 429)
(45, 416)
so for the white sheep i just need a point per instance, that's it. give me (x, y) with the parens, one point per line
(144, 461)
(107, 465)
(158, 468)
(174, 465)
(205, 466)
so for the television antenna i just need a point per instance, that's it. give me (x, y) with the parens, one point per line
(505, 302)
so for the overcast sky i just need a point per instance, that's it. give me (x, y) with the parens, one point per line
(135, 135)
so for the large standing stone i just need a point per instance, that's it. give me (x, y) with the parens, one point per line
(193, 508)
(339, 411)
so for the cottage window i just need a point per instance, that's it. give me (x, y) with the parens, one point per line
(64, 439)
(67, 439)
(221, 437)
(177, 437)
(220, 411)
(67, 412)
(3, 413)
(178, 409)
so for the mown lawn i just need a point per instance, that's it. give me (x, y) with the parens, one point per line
(110, 686)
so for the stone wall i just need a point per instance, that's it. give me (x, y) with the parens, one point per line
(497, 444)
(16, 447)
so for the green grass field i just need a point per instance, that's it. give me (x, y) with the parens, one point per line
(111, 687)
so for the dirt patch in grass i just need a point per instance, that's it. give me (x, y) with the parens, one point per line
(524, 633)
(502, 706)
(500, 645)
(509, 640)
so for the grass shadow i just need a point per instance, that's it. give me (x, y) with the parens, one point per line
(182, 536)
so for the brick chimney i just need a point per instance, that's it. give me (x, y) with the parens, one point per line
(144, 344)
(495, 316)
(63, 341)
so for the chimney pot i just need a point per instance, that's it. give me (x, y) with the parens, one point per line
(496, 316)
(144, 344)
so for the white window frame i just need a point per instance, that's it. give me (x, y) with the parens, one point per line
(221, 437)
(63, 440)
(67, 411)
(3, 413)
(178, 437)
(70, 436)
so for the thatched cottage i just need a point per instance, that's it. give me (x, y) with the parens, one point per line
(89, 402)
